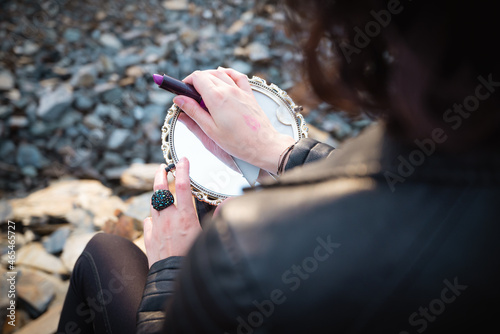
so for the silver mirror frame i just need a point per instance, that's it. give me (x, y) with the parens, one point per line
(258, 84)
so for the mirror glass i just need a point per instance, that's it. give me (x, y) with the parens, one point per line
(211, 179)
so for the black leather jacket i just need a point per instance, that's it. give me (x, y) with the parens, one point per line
(376, 238)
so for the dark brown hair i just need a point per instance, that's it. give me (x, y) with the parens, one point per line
(410, 62)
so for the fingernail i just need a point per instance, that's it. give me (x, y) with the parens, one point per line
(169, 168)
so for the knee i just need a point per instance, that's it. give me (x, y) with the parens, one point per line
(105, 242)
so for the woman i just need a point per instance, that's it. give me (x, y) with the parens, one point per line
(393, 233)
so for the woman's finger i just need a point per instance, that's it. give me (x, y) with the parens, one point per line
(195, 112)
(240, 79)
(161, 181)
(183, 185)
(147, 228)
(222, 75)
(212, 80)
(148, 239)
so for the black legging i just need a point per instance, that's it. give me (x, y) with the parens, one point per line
(105, 287)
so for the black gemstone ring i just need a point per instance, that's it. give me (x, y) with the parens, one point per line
(162, 199)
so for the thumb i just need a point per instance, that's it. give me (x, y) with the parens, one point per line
(196, 112)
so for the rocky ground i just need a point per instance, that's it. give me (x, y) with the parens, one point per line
(80, 119)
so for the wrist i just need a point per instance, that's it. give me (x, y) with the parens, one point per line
(271, 160)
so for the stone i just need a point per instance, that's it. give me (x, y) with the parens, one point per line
(72, 35)
(28, 155)
(29, 171)
(45, 324)
(92, 121)
(106, 64)
(138, 112)
(53, 104)
(35, 290)
(7, 151)
(139, 207)
(135, 71)
(139, 177)
(139, 242)
(70, 118)
(56, 241)
(74, 247)
(127, 58)
(109, 92)
(127, 122)
(153, 133)
(176, 5)
(112, 159)
(5, 111)
(118, 138)
(28, 48)
(83, 102)
(15, 96)
(5, 210)
(241, 66)
(125, 227)
(108, 110)
(81, 219)
(153, 53)
(35, 256)
(6, 80)
(154, 113)
(113, 96)
(161, 97)
(18, 121)
(61, 197)
(40, 128)
(258, 52)
(85, 76)
(114, 173)
(133, 34)
(110, 41)
(189, 36)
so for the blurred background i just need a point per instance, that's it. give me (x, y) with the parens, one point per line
(80, 120)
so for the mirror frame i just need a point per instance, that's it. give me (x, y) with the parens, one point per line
(257, 84)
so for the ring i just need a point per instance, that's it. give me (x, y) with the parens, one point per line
(162, 199)
(169, 168)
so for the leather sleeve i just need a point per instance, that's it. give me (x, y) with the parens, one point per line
(214, 286)
(307, 150)
(159, 287)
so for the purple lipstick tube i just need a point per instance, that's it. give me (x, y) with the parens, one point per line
(178, 88)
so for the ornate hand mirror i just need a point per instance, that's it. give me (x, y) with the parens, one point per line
(212, 180)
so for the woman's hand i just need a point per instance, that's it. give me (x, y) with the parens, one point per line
(236, 122)
(170, 232)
